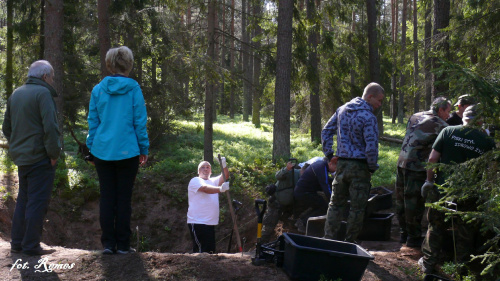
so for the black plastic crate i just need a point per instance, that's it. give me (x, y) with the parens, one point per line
(273, 252)
(310, 258)
(380, 199)
(377, 227)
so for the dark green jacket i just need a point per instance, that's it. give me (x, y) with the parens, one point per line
(285, 185)
(30, 123)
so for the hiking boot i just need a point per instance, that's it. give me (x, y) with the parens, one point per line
(123, 252)
(425, 269)
(38, 252)
(414, 242)
(108, 251)
(16, 249)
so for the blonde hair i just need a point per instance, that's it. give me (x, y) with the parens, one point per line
(119, 59)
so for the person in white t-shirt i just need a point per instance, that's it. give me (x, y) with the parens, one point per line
(203, 212)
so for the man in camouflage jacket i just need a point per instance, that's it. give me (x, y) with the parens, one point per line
(421, 132)
(357, 148)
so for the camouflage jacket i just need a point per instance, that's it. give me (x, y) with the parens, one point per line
(421, 132)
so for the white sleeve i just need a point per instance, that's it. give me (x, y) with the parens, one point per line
(195, 184)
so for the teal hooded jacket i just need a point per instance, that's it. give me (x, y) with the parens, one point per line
(117, 120)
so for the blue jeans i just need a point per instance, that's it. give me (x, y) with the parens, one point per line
(35, 189)
(116, 180)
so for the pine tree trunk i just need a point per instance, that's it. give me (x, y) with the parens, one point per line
(103, 33)
(394, 110)
(427, 56)
(441, 45)
(209, 89)
(245, 53)
(223, 63)
(314, 82)
(374, 59)
(257, 89)
(402, 78)
(416, 102)
(232, 98)
(54, 53)
(281, 127)
(249, 71)
(10, 47)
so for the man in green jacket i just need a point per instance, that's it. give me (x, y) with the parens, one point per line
(280, 203)
(31, 128)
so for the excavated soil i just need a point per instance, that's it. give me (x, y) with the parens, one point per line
(163, 238)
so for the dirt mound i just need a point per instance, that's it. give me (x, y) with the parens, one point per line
(75, 264)
(161, 235)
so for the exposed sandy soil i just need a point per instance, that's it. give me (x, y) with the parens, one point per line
(74, 235)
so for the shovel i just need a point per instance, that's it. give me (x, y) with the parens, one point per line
(231, 210)
(260, 214)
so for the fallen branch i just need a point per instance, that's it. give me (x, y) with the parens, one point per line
(389, 139)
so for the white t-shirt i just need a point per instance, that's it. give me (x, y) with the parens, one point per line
(203, 207)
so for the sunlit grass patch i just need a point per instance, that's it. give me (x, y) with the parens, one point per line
(394, 130)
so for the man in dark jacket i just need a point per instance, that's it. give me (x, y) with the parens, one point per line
(357, 147)
(314, 179)
(31, 128)
(463, 102)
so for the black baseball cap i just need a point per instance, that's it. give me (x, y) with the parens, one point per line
(465, 99)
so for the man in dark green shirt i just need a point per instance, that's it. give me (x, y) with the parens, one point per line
(455, 144)
(31, 128)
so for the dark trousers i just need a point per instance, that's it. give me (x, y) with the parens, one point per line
(35, 189)
(116, 179)
(410, 205)
(203, 237)
(318, 206)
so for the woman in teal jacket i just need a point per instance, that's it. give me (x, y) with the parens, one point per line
(118, 142)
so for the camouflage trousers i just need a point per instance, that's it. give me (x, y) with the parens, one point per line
(410, 205)
(273, 214)
(438, 232)
(352, 182)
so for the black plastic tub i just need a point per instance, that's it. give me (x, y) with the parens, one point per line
(380, 199)
(273, 252)
(311, 258)
(377, 227)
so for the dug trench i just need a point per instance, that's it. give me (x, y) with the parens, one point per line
(162, 238)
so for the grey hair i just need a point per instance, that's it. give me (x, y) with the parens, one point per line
(40, 68)
(373, 89)
(440, 102)
(119, 59)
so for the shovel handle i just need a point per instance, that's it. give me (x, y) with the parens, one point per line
(231, 210)
(260, 212)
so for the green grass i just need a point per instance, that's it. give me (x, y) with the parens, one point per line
(248, 151)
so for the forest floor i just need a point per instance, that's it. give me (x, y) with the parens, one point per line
(74, 237)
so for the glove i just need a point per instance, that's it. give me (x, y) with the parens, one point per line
(426, 188)
(224, 187)
(223, 161)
